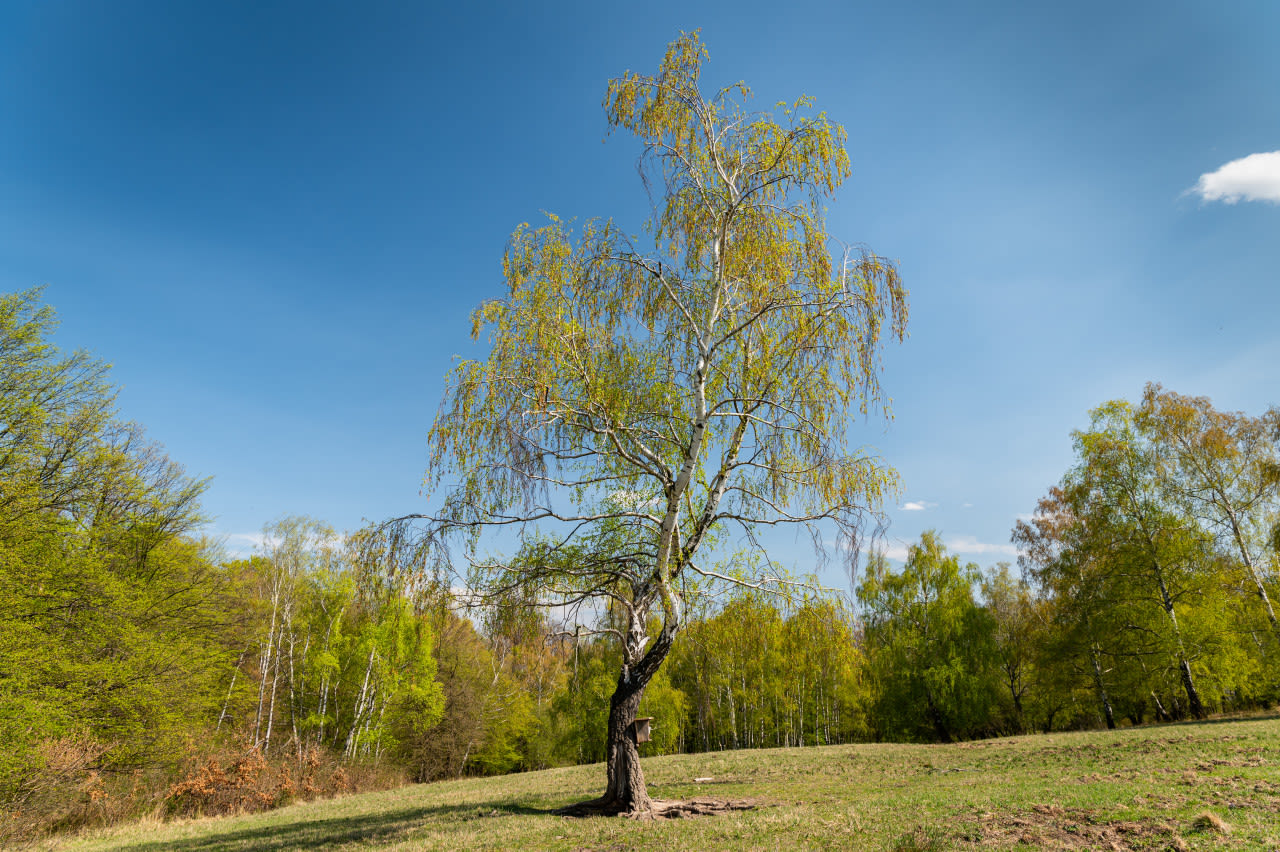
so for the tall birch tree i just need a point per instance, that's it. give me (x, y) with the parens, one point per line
(1223, 469)
(640, 400)
(1116, 486)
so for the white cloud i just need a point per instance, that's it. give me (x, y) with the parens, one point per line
(898, 550)
(243, 543)
(917, 506)
(969, 544)
(246, 544)
(1252, 178)
(895, 550)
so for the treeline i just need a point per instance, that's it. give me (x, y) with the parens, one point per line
(749, 674)
(140, 669)
(144, 671)
(1146, 592)
(111, 616)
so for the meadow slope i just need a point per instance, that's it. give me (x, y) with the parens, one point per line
(1212, 785)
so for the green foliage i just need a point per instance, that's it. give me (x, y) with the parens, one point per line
(491, 720)
(754, 676)
(931, 646)
(1016, 617)
(583, 707)
(125, 643)
(113, 619)
(1151, 562)
(415, 699)
(56, 424)
(337, 654)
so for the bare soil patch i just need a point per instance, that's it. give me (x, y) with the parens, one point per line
(1053, 827)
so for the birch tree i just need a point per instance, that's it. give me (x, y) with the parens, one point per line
(1223, 469)
(1116, 486)
(295, 547)
(643, 401)
(1054, 554)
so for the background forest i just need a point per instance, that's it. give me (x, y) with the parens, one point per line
(142, 669)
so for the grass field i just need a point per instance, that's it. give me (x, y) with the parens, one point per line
(1213, 785)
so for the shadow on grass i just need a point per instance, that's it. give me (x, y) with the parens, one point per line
(383, 827)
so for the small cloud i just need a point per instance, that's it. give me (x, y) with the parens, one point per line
(1252, 178)
(245, 542)
(969, 544)
(917, 506)
(895, 550)
(967, 506)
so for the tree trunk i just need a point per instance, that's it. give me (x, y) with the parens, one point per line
(1161, 713)
(626, 792)
(227, 701)
(935, 718)
(1259, 586)
(1102, 690)
(264, 669)
(1012, 681)
(1193, 694)
(293, 698)
(733, 714)
(275, 681)
(1184, 667)
(268, 658)
(323, 703)
(230, 689)
(349, 750)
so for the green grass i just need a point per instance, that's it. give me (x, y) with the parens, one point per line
(1213, 785)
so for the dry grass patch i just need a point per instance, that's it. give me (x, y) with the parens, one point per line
(1053, 827)
(1211, 822)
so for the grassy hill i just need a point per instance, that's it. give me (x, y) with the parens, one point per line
(1213, 785)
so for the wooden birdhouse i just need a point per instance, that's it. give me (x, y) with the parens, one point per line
(642, 728)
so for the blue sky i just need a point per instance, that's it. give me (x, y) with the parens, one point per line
(274, 219)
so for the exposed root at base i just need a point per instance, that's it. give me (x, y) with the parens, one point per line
(658, 809)
(696, 807)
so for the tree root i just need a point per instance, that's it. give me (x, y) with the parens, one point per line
(658, 809)
(697, 807)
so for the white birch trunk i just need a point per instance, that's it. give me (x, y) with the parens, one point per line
(348, 750)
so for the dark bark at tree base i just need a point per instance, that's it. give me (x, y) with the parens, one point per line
(658, 808)
(626, 792)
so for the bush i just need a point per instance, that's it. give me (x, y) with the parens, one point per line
(243, 781)
(59, 788)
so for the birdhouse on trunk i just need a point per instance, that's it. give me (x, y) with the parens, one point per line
(641, 728)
